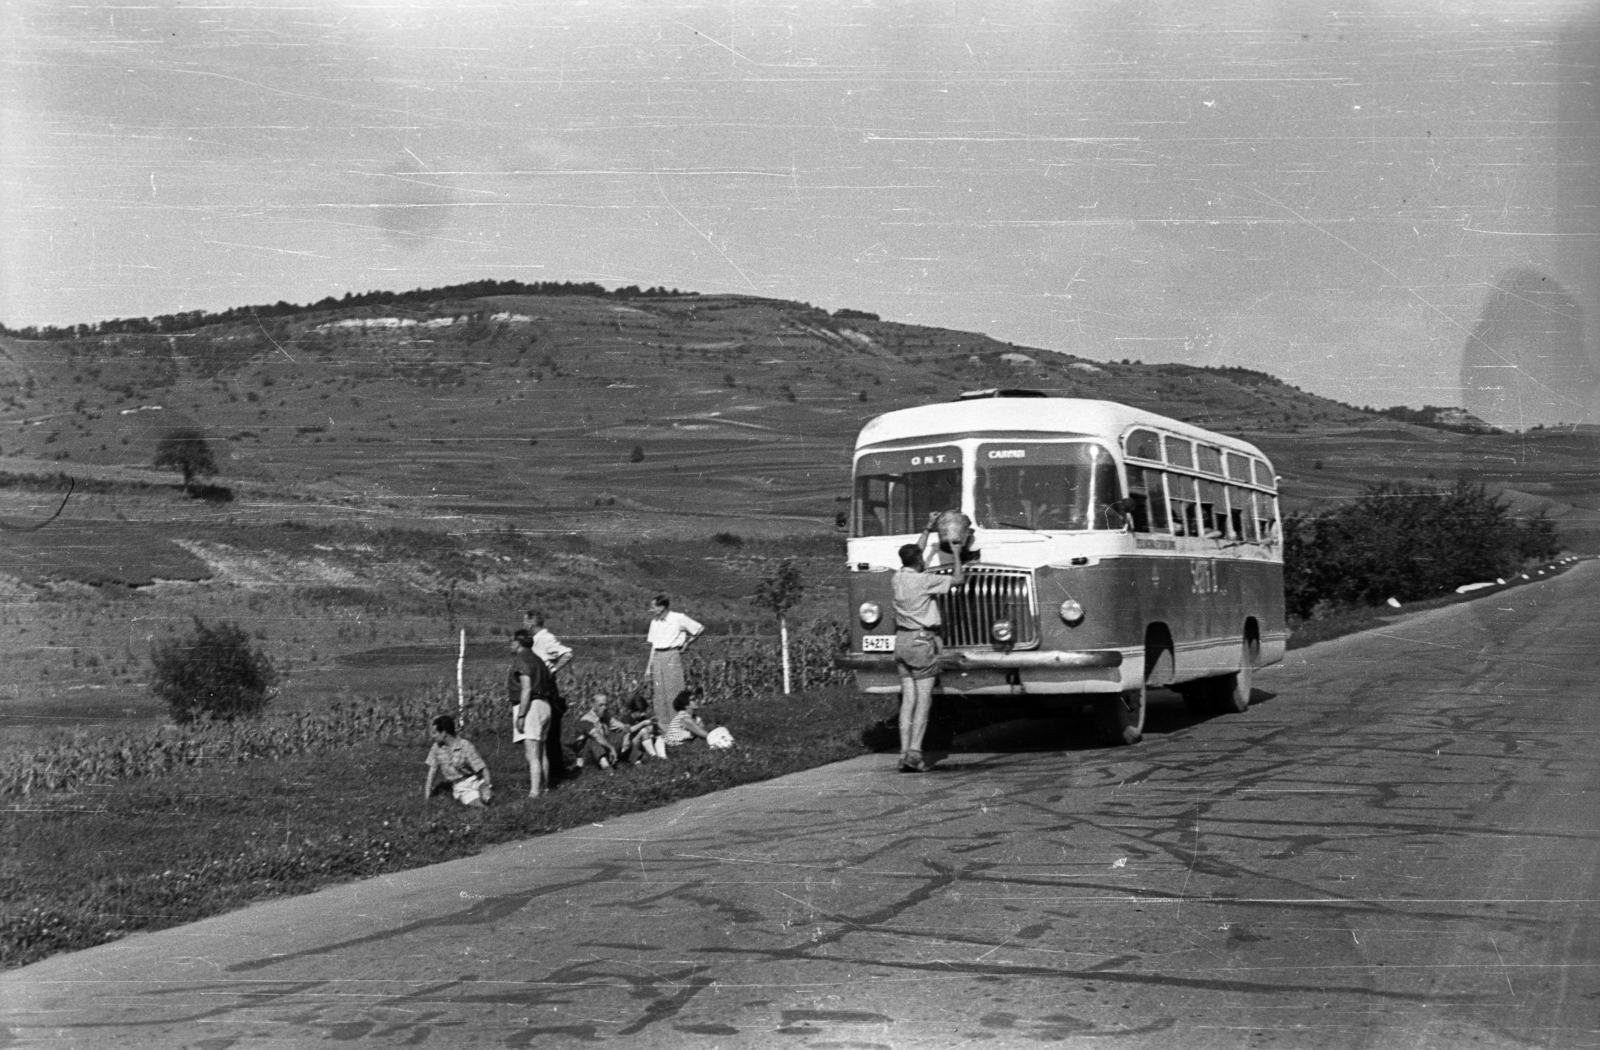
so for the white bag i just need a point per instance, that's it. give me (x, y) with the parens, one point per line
(719, 738)
(468, 790)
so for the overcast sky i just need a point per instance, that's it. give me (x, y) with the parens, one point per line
(1329, 193)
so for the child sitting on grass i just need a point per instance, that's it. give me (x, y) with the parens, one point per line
(458, 763)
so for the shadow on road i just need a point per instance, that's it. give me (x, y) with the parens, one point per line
(1041, 726)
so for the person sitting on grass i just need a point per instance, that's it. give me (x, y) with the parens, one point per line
(685, 726)
(453, 761)
(644, 737)
(595, 744)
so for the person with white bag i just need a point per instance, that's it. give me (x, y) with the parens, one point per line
(454, 762)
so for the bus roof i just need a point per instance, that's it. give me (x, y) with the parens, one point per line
(1016, 415)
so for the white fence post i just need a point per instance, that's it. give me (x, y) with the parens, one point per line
(461, 676)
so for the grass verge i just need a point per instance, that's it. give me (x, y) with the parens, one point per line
(86, 868)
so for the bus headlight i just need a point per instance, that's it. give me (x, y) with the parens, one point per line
(870, 614)
(1003, 631)
(1071, 613)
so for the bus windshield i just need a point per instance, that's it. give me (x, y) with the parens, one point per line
(897, 491)
(1034, 485)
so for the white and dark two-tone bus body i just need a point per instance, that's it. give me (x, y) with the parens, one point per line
(1114, 550)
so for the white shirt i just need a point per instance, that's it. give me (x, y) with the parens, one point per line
(673, 631)
(548, 647)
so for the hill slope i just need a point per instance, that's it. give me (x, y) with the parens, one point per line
(561, 408)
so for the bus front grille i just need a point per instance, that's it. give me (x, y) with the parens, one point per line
(984, 596)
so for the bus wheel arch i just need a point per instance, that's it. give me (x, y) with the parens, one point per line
(1159, 660)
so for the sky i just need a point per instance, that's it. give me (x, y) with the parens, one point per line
(1350, 196)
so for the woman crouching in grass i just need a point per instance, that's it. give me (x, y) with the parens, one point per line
(458, 763)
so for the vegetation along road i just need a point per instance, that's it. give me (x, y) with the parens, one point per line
(1395, 847)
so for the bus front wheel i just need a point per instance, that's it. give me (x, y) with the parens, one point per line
(1122, 715)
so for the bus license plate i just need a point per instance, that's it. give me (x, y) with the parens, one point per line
(877, 643)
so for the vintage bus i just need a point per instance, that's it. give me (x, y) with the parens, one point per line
(1114, 550)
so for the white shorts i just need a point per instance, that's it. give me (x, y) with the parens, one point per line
(534, 725)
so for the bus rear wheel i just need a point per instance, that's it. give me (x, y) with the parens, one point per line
(1225, 693)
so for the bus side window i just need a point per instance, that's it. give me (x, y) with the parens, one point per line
(1139, 498)
(1149, 498)
(1158, 501)
(1266, 517)
(1144, 444)
(1107, 494)
(1213, 511)
(1241, 515)
(1185, 512)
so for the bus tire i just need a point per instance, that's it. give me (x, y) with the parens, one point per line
(1236, 698)
(1225, 693)
(1122, 716)
(1233, 693)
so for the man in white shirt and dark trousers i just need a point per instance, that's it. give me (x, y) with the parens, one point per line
(549, 649)
(670, 634)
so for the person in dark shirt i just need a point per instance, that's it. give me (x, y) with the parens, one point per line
(530, 688)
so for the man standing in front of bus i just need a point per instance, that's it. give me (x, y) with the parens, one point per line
(917, 644)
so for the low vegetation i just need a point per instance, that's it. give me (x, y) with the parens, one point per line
(212, 673)
(256, 809)
(1405, 542)
(205, 732)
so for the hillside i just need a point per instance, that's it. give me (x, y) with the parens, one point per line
(540, 406)
(399, 471)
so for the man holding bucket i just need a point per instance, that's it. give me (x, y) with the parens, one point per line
(917, 626)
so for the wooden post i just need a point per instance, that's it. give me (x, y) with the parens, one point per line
(461, 677)
(783, 634)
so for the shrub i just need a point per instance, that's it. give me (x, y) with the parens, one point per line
(1405, 542)
(214, 672)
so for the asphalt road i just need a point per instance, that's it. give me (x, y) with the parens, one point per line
(1397, 846)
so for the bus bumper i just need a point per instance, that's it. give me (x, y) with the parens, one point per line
(960, 660)
(991, 674)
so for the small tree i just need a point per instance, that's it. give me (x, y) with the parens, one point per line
(781, 591)
(215, 671)
(186, 451)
